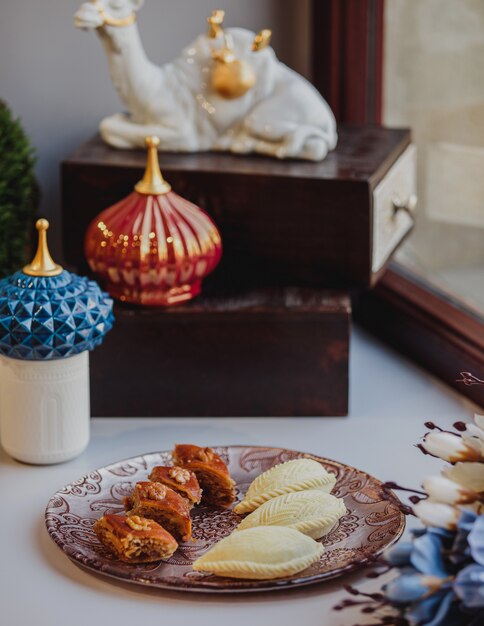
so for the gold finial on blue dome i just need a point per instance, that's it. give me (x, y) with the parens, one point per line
(42, 264)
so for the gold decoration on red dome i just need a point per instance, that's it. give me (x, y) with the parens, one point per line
(153, 248)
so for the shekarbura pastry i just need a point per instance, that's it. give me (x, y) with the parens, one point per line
(297, 475)
(161, 504)
(181, 480)
(311, 512)
(211, 471)
(135, 539)
(264, 552)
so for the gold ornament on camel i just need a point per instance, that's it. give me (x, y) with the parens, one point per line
(231, 77)
(215, 22)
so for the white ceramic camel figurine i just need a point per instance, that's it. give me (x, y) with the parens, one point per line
(276, 113)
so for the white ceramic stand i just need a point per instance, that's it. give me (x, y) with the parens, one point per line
(44, 408)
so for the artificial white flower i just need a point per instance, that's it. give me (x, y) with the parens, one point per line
(469, 475)
(452, 448)
(479, 420)
(441, 489)
(474, 434)
(437, 514)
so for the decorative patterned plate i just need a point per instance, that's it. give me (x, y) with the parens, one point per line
(373, 522)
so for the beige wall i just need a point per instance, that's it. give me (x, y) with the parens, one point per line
(55, 77)
(434, 82)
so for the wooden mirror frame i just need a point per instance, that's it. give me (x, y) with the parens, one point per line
(404, 309)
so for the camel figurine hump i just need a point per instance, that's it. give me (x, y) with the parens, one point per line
(227, 91)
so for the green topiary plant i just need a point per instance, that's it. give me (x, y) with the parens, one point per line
(19, 192)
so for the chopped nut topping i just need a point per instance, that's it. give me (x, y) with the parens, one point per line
(180, 475)
(156, 491)
(138, 523)
(205, 455)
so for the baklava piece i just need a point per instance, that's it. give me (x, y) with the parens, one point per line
(181, 480)
(211, 472)
(163, 505)
(135, 539)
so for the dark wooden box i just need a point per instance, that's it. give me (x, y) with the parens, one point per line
(282, 222)
(278, 352)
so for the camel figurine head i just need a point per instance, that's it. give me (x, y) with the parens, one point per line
(98, 13)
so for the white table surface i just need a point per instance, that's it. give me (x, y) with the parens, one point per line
(390, 401)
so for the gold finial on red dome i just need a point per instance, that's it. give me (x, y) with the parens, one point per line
(153, 183)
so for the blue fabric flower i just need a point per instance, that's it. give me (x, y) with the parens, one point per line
(407, 588)
(441, 580)
(441, 576)
(399, 555)
(476, 540)
(461, 553)
(426, 555)
(467, 520)
(423, 565)
(433, 611)
(469, 586)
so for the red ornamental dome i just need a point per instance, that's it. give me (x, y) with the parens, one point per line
(153, 248)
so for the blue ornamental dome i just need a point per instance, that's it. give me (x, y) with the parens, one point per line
(48, 313)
